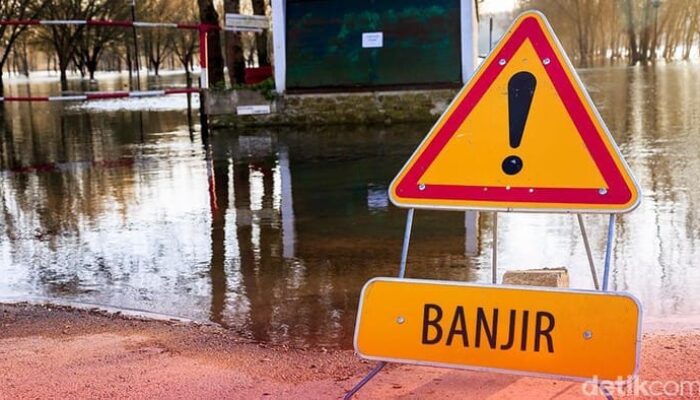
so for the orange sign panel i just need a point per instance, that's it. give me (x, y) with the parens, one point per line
(543, 332)
(521, 135)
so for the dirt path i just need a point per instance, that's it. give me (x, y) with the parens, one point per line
(58, 352)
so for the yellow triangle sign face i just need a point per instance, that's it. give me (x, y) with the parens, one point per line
(521, 135)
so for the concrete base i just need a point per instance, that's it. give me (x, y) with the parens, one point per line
(551, 277)
(383, 108)
(226, 102)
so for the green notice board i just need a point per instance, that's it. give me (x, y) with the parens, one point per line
(369, 43)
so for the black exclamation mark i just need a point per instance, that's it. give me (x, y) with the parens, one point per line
(521, 89)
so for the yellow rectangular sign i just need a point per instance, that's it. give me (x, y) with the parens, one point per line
(542, 332)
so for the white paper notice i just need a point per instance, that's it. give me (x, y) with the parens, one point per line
(372, 40)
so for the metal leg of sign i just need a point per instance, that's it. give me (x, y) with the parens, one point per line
(406, 241)
(606, 392)
(402, 274)
(587, 245)
(364, 380)
(606, 279)
(608, 252)
(494, 263)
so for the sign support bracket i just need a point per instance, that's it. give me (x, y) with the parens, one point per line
(406, 241)
(589, 254)
(608, 252)
(606, 274)
(402, 274)
(380, 365)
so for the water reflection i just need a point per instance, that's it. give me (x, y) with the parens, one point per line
(274, 232)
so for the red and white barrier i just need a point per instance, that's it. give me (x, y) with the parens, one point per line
(121, 24)
(99, 95)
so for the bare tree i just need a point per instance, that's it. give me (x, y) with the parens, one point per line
(15, 10)
(94, 40)
(65, 39)
(157, 41)
(638, 28)
(184, 44)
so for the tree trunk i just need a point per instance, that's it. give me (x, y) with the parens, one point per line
(128, 67)
(645, 35)
(215, 61)
(64, 79)
(63, 67)
(91, 66)
(233, 42)
(655, 36)
(261, 38)
(690, 38)
(24, 58)
(613, 33)
(2, 87)
(631, 34)
(188, 75)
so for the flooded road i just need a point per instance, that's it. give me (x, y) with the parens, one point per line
(273, 232)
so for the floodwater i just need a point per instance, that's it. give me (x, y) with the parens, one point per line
(273, 232)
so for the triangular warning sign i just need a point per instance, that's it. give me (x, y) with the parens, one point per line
(521, 135)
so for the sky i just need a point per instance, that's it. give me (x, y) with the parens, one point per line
(495, 6)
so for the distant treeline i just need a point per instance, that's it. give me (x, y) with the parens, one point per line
(638, 31)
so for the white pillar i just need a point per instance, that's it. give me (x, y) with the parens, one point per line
(471, 233)
(470, 53)
(470, 38)
(279, 35)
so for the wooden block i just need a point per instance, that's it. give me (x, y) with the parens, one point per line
(551, 277)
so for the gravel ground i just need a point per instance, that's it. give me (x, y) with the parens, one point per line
(56, 352)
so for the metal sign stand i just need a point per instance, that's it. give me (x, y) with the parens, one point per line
(494, 275)
(591, 264)
(402, 274)
(606, 279)
(608, 252)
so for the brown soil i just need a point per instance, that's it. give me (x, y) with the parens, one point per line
(64, 353)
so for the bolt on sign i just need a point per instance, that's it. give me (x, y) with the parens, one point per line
(563, 333)
(522, 135)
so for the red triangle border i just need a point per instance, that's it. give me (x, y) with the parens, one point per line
(617, 191)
